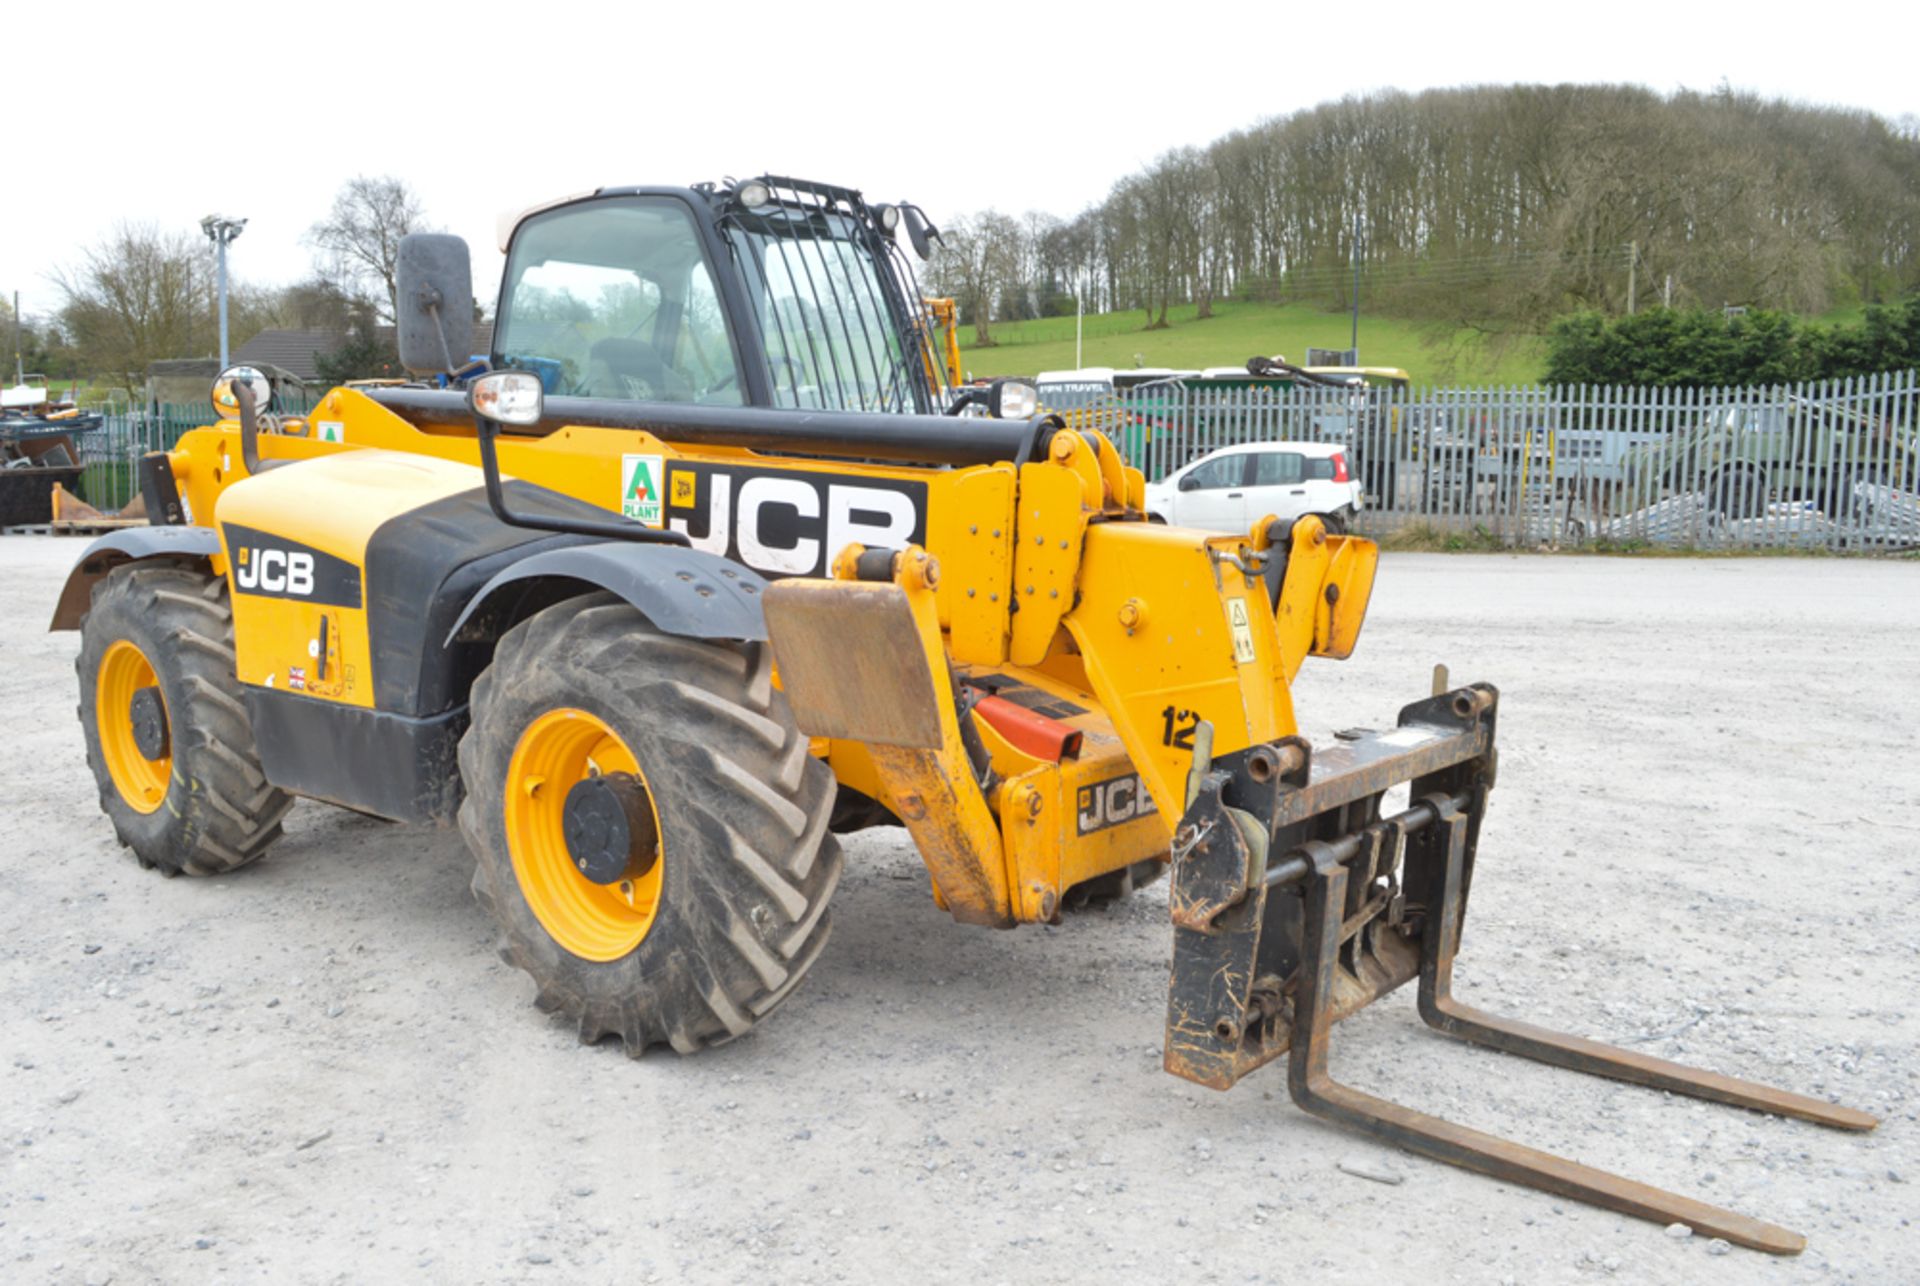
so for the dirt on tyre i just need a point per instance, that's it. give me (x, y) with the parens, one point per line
(716, 905)
(168, 736)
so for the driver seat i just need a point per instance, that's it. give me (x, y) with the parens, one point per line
(611, 362)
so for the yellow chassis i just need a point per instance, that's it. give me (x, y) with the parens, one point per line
(1134, 634)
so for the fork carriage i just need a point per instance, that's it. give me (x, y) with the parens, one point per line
(1296, 903)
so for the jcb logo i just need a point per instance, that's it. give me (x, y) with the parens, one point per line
(788, 523)
(274, 571)
(1113, 802)
(267, 566)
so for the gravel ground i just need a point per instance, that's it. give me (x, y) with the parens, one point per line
(1703, 845)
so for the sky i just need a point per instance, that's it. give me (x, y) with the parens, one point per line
(173, 112)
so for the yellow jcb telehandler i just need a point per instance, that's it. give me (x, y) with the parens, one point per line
(700, 566)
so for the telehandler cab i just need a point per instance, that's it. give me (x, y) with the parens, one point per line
(696, 570)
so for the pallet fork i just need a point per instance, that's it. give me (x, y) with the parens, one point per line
(1295, 904)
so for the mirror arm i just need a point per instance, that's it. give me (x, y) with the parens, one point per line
(440, 329)
(250, 432)
(966, 398)
(624, 529)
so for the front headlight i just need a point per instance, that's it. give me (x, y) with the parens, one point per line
(507, 397)
(1014, 400)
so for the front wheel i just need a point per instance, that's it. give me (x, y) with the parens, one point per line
(649, 827)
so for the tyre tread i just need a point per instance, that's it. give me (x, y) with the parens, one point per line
(221, 812)
(758, 860)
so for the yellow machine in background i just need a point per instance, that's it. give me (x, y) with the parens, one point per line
(943, 354)
(705, 569)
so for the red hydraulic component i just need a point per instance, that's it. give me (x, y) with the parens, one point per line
(1030, 733)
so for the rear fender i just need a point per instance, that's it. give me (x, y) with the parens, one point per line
(193, 546)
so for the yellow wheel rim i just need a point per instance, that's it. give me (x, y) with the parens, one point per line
(141, 781)
(592, 921)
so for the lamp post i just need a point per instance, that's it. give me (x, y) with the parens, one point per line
(220, 230)
(1355, 341)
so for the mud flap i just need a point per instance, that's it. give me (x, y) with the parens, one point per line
(864, 661)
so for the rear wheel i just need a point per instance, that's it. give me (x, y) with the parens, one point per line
(168, 737)
(650, 829)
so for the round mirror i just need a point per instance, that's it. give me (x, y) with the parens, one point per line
(226, 405)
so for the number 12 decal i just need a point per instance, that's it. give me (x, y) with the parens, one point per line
(1179, 727)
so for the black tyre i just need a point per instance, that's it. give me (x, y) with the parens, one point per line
(718, 904)
(1335, 522)
(168, 737)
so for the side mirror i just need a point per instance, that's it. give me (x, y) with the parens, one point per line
(226, 403)
(921, 233)
(1190, 482)
(435, 305)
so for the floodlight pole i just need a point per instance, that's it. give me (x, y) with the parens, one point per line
(1079, 326)
(1355, 345)
(223, 304)
(221, 230)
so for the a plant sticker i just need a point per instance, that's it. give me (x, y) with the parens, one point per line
(640, 492)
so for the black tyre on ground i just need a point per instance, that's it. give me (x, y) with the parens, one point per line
(724, 911)
(1335, 522)
(168, 737)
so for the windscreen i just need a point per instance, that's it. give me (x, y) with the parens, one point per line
(825, 312)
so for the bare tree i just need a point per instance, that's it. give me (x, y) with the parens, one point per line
(978, 261)
(138, 296)
(360, 239)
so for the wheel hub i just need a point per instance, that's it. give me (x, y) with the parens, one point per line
(607, 823)
(130, 719)
(584, 834)
(149, 715)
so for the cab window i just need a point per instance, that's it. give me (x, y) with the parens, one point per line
(614, 299)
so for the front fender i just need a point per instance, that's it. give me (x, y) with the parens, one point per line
(681, 591)
(135, 544)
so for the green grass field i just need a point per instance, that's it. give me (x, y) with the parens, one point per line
(1236, 332)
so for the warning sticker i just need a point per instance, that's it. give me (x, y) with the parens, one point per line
(1242, 626)
(640, 488)
(330, 430)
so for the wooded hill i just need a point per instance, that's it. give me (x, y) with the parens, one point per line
(1495, 208)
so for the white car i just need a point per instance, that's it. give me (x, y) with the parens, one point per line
(1234, 487)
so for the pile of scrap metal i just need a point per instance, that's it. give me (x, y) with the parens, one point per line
(37, 451)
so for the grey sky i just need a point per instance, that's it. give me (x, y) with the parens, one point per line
(489, 107)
